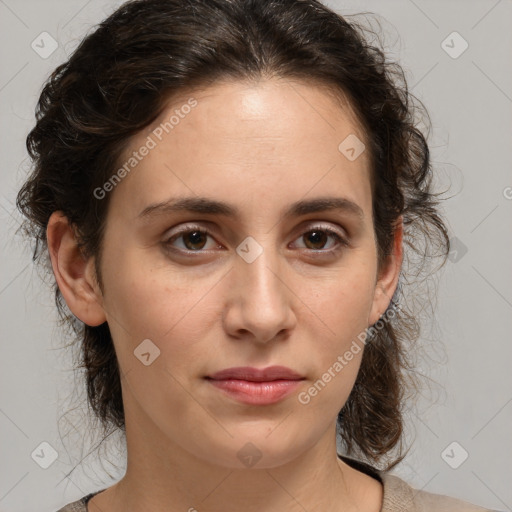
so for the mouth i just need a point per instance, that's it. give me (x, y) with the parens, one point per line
(256, 393)
(254, 386)
(251, 374)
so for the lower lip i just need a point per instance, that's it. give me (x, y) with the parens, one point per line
(257, 393)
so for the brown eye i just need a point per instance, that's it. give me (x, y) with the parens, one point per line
(192, 239)
(317, 238)
(195, 239)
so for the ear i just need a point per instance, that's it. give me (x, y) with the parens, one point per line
(387, 280)
(74, 273)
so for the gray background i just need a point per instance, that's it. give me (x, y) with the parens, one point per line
(468, 339)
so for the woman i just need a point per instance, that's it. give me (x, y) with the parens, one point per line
(224, 190)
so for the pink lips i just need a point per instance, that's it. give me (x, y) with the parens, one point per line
(256, 387)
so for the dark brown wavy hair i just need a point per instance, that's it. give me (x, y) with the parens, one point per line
(119, 79)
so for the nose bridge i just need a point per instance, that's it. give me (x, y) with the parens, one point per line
(259, 274)
(264, 301)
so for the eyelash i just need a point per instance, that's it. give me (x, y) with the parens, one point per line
(342, 242)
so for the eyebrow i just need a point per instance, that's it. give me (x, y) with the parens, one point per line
(205, 205)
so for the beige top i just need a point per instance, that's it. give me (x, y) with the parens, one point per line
(398, 496)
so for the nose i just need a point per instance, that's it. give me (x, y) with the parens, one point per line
(259, 302)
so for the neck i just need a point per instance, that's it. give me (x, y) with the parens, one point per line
(161, 475)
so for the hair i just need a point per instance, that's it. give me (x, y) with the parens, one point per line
(119, 80)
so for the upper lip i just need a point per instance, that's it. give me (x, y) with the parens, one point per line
(257, 375)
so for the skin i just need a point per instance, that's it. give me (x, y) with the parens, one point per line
(259, 147)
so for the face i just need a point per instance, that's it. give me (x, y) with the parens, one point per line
(259, 282)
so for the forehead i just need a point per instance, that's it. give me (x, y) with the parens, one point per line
(272, 105)
(277, 137)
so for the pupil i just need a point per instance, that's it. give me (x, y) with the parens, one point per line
(317, 236)
(195, 237)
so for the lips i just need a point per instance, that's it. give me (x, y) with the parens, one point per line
(251, 374)
(256, 393)
(252, 386)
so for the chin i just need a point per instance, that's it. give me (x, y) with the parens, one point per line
(255, 452)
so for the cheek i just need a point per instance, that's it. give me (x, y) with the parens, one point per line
(338, 313)
(157, 320)
(178, 310)
(342, 304)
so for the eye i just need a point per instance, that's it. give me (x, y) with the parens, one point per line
(317, 237)
(194, 239)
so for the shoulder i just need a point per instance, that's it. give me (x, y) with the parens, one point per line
(79, 505)
(399, 496)
(76, 506)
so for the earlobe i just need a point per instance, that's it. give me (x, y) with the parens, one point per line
(388, 277)
(73, 272)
